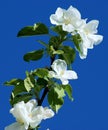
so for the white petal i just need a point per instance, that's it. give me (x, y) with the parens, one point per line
(55, 20)
(74, 12)
(30, 105)
(36, 116)
(69, 74)
(91, 27)
(57, 17)
(15, 126)
(51, 74)
(68, 28)
(96, 39)
(64, 81)
(48, 113)
(86, 43)
(59, 65)
(34, 124)
(83, 53)
(59, 12)
(21, 114)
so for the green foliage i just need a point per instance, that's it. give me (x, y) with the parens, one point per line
(55, 97)
(13, 82)
(68, 55)
(58, 29)
(34, 55)
(29, 82)
(53, 52)
(42, 82)
(55, 41)
(58, 52)
(68, 90)
(21, 97)
(38, 80)
(19, 88)
(37, 29)
(41, 73)
(77, 40)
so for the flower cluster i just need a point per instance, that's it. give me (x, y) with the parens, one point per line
(72, 22)
(28, 114)
(41, 82)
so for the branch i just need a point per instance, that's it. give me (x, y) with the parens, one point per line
(43, 96)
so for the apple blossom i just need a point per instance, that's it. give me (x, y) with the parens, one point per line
(89, 37)
(28, 114)
(60, 71)
(70, 19)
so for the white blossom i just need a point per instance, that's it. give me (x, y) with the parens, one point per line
(28, 114)
(70, 19)
(60, 71)
(88, 32)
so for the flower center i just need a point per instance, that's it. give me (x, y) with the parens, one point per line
(61, 73)
(86, 31)
(20, 121)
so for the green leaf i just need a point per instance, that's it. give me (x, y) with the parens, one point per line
(19, 88)
(37, 29)
(42, 82)
(55, 98)
(58, 52)
(55, 41)
(77, 40)
(59, 90)
(68, 90)
(54, 102)
(68, 55)
(37, 90)
(58, 29)
(34, 55)
(13, 82)
(29, 82)
(41, 73)
(15, 99)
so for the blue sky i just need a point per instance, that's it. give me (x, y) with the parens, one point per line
(89, 111)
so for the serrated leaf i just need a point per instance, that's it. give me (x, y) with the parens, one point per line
(37, 29)
(34, 55)
(68, 55)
